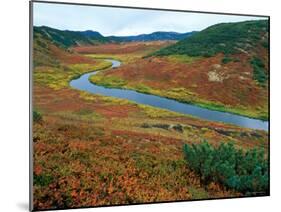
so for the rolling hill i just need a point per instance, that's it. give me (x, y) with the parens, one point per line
(67, 38)
(52, 53)
(227, 38)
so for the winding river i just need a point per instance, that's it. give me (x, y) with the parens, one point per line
(83, 83)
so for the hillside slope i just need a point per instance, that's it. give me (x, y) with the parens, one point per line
(66, 38)
(47, 52)
(227, 38)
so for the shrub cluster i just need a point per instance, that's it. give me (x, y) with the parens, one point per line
(42, 180)
(243, 171)
(37, 117)
(259, 70)
(226, 60)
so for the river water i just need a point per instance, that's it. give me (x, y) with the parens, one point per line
(83, 83)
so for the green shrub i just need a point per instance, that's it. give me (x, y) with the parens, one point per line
(42, 180)
(259, 70)
(226, 60)
(37, 117)
(246, 172)
(265, 44)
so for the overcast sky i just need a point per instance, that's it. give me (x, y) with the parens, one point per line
(120, 21)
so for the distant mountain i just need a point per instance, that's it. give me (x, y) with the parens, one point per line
(227, 38)
(153, 36)
(90, 33)
(67, 38)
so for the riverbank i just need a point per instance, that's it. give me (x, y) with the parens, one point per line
(83, 83)
(141, 77)
(177, 94)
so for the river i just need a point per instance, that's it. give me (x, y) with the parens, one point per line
(83, 83)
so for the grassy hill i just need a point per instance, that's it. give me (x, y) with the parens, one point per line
(227, 38)
(54, 53)
(42, 53)
(66, 38)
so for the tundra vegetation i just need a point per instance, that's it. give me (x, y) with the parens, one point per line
(92, 150)
(233, 53)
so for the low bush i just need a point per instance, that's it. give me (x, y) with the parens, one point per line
(37, 116)
(243, 171)
(259, 70)
(226, 60)
(42, 180)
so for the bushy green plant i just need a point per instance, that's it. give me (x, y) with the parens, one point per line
(226, 60)
(259, 70)
(37, 116)
(246, 172)
(42, 180)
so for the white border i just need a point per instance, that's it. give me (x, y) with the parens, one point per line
(14, 89)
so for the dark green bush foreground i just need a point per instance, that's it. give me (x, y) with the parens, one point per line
(243, 171)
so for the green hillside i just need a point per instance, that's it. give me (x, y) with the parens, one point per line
(66, 38)
(227, 38)
(42, 54)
